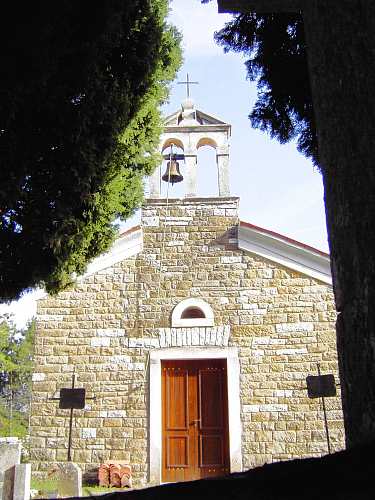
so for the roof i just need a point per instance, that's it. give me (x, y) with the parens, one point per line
(286, 251)
(128, 244)
(188, 118)
(283, 237)
(201, 118)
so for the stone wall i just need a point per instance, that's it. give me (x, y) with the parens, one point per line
(282, 323)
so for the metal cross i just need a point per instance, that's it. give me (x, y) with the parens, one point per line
(70, 399)
(187, 83)
(322, 386)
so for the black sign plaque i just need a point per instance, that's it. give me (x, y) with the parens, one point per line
(72, 399)
(321, 386)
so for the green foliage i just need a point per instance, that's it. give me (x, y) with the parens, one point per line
(16, 365)
(14, 423)
(7, 363)
(275, 48)
(16, 356)
(79, 126)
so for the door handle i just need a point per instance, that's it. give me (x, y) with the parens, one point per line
(195, 421)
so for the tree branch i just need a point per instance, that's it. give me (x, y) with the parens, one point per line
(260, 6)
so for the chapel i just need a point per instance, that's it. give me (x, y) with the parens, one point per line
(193, 337)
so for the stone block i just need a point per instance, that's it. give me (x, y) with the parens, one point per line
(7, 483)
(235, 259)
(100, 342)
(294, 327)
(263, 436)
(88, 433)
(112, 422)
(251, 408)
(84, 456)
(68, 477)
(115, 444)
(61, 455)
(284, 436)
(291, 352)
(113, 413)
(10, 453)
(22, 476)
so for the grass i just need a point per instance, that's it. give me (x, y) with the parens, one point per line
(17, 426)
(88, 491)
(44, 485)
(49, 485)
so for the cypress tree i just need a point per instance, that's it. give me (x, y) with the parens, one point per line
(80, 88)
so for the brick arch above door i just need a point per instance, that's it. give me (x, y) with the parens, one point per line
(155, 409)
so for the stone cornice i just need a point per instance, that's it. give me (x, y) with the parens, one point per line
(196, 200)
(215, 127)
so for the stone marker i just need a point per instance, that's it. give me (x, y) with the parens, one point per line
(10, 452)
(8, 483)
(68, 477)
(10, 456)
(21, 487)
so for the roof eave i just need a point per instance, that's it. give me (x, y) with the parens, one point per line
(127, 245)
(287, 252)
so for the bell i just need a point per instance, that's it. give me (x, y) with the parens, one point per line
(172, 173)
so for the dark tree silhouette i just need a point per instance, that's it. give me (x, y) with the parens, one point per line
(335, 125)
(275, 46)
(80, 88)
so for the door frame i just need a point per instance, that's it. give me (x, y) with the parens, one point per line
(155, 398)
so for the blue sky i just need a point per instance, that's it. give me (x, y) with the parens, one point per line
(279, 189)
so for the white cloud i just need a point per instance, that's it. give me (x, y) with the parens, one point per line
(198, 23)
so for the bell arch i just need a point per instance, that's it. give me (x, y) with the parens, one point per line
(172, 141)
(207, 141)
(190, 129)
(207, 171)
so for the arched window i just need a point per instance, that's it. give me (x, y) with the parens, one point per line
(192, 312)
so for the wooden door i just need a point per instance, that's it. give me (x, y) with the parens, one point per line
(194, 419)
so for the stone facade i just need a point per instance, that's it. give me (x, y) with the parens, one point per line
(280, 321)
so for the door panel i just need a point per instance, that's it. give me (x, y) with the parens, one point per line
(211, 451)
(195, 419)
(177, 392)
(177, 451)
(210, 398)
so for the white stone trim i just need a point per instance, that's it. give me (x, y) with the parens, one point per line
(208, 320)
(284, 252)
(124, 247)
(195, 336)
(222, 161)
(234, 406)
